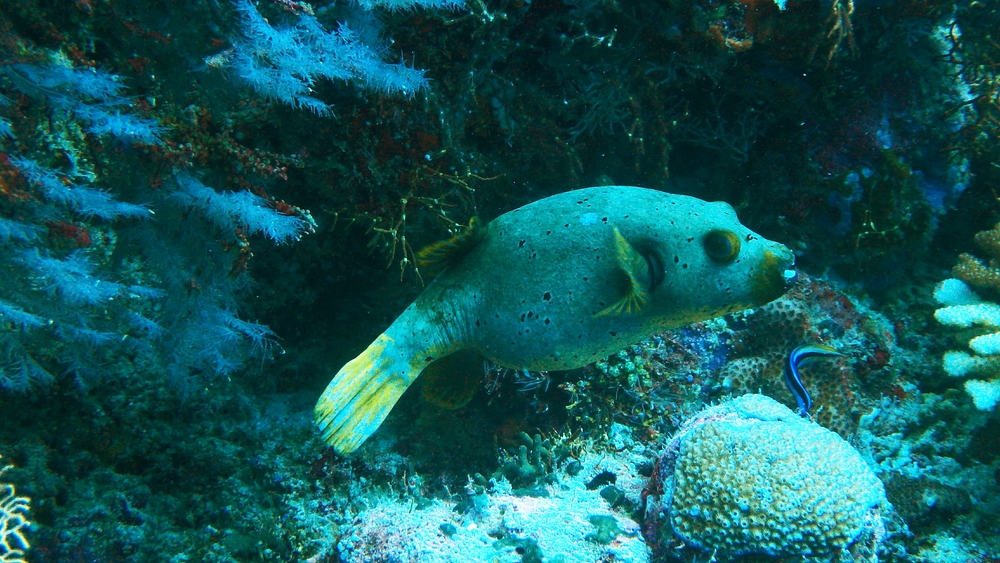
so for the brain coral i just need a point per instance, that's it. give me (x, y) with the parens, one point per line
(751, 477)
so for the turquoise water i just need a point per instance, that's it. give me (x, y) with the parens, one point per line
(209, 208)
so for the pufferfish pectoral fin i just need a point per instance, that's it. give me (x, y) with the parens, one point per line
(635, 269)
(362, 393)
(451, 382)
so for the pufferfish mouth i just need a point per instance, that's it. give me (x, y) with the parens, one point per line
(791, 276)
(775, 275)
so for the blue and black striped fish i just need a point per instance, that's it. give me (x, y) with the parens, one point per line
(791, 373)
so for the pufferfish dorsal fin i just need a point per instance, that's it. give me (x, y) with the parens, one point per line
(436, 257)
(634, 266)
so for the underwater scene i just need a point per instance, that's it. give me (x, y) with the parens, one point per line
(512, 281)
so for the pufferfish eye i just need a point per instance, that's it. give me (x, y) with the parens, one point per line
(721, 245)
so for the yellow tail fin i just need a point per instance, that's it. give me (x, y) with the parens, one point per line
(362, 393)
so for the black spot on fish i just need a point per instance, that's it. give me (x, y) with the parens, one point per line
(690, 239)
(547, 296)
(586, 278)
(534, 254)
(605, 219)
(612, 333)
(548, 232)
(477, 322)
(547, 321)
(429, 359)
(566, 225)
(684, 266)
(530, 314)
(677, 259)
(520, 244)
(522, 317)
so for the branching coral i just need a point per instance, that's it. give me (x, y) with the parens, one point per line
(963, 309)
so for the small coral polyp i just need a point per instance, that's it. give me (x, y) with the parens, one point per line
(749, 477)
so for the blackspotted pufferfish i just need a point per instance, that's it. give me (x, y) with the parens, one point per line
(558, 284)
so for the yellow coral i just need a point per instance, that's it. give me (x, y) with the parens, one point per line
(977, 272)
(989, 241)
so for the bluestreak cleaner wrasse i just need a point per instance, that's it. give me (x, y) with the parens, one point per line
(791, 373)
(558, 284)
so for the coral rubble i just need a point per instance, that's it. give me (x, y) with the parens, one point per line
(570, 523)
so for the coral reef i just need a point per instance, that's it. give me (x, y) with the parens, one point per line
(937, 456)
(166, 324)
(677, 371)
(750, 477)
